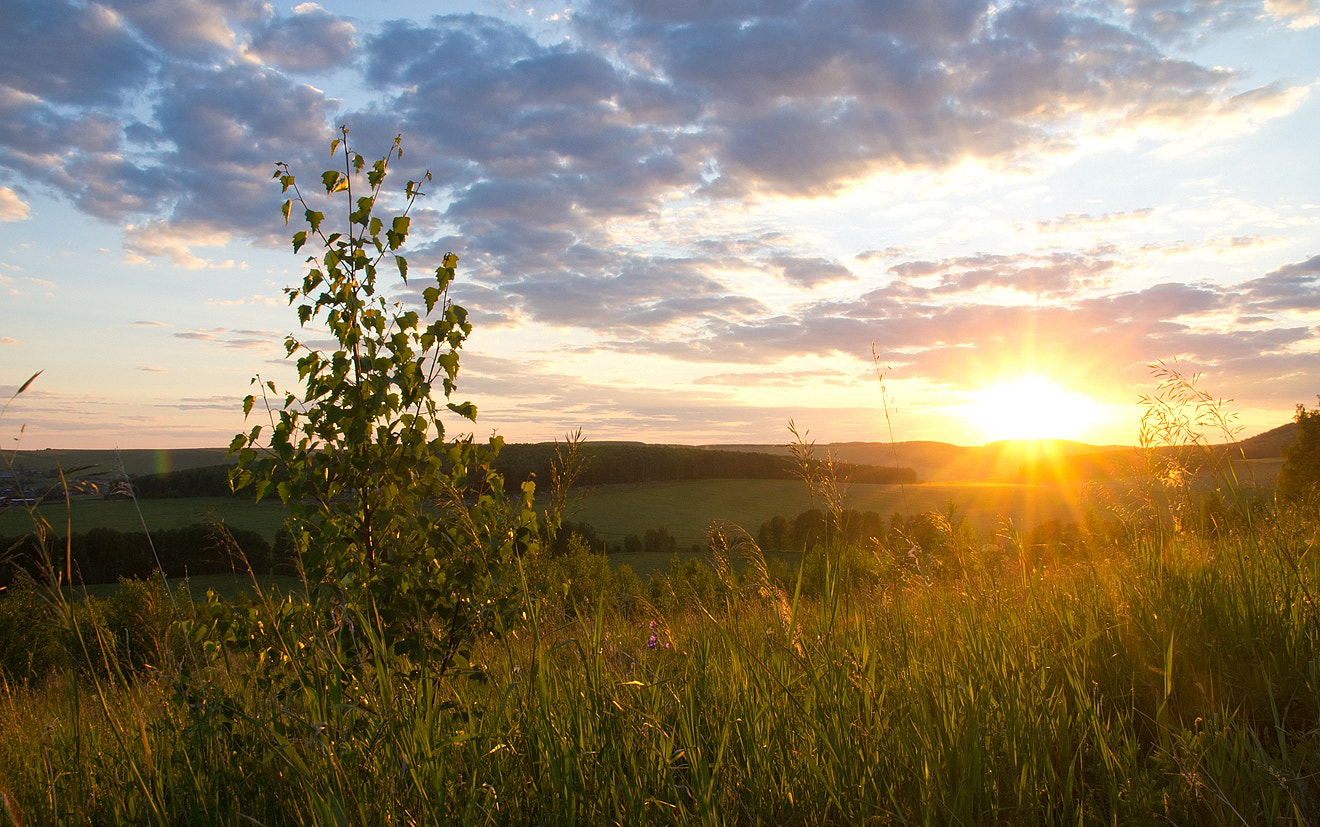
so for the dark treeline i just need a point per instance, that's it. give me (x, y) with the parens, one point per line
(612, 463)
(207, 481)
(103, 555)
(608, 463)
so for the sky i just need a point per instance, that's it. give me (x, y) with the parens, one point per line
(681, 221)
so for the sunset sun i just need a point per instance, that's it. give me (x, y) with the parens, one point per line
(1031, 407)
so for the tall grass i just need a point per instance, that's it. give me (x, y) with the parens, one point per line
(1156, 683)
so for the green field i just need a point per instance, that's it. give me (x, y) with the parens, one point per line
(688, 508)
(121, 515)
(685, 508)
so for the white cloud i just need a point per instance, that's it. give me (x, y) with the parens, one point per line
(1300, 14)
(13, 208)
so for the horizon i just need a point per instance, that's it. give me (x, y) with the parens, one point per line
(684, 224)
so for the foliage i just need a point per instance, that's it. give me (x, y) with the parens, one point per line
(396, 527)
(1139, 685)
(105, 555)
(30, 642)
(1299, 478)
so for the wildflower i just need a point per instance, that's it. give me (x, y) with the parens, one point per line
(651, 642)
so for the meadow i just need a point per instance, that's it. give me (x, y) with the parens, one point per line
(686, 507)
(1153, 677)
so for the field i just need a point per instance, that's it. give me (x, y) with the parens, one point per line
(121, 514)
(688, 508)
(1158, 671)
(685, 508)
(1158, 683)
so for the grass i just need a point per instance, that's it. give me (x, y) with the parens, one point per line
(1162, 683)
(1162, 674)
(229, 586)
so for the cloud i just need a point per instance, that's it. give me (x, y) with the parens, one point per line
(9, 340)
(13, 208)
(1074, 221)
(1290, 287)
(67, 53)
(811, 272)
(1037, 275)
(236, 339)
(1300, 14)
(152, 369)
(312, 40)
(176, 241)
(779, 379)
(195, 29)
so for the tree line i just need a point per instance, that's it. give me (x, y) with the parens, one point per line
(606, 463)
(104, 555)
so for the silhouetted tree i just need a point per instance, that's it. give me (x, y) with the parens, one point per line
(1299, 478)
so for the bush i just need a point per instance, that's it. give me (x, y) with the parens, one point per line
(399, 531)
(30, 643)
(1299, 478)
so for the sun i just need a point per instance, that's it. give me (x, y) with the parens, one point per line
(1031, 407)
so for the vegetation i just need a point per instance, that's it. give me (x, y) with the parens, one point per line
(455, 654)
(1299, 478)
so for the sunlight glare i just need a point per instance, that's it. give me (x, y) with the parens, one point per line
(1032, 407)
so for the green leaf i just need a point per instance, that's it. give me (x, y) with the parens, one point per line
(403, 268)
(331, 180)
(334, 146)
(299, 239)
(314, 219)
(248, 402)
(466, 410)
(398, 232)
(377, 174)
(284, 210)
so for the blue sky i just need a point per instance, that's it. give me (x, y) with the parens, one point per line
(678, 221)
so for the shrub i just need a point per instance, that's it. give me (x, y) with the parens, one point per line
(1299, 478)
(30, 642)
(401, 530)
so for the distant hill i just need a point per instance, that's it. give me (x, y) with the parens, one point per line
(944, 462)
(1270, 444)
(612, 463)
(619, 461)
(1014, 460)
(130, 461)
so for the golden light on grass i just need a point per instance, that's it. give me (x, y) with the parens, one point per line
(1032, 407)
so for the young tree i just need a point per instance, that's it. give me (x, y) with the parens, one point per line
(1299, 478)
(397, 528)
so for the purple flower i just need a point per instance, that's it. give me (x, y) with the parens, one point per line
(651, 625)
(650, 643)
